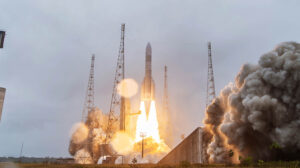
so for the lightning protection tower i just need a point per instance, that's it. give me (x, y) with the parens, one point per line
(166, 94)
(117, 105)
(168, 128)
(210, 90)
(89, 97)
(2, 36)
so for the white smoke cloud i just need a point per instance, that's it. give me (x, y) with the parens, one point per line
(86, 144)
(83, 157)
(79, 133)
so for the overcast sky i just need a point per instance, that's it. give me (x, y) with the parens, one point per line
(46, 57)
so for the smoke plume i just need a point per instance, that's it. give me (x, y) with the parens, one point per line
(259, 114)
(87, 140)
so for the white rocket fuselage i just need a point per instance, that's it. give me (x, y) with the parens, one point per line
(148, 87)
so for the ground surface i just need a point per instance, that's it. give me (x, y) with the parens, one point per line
(294, 164)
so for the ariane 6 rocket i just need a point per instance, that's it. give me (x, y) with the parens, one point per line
(148, 87)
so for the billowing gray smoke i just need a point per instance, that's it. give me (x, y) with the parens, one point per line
(87, 140)
(259, 115)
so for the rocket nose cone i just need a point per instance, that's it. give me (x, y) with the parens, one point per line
(148, 49)
(148, 45)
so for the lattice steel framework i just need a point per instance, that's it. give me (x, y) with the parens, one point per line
(210, 91)
(117, 105)
(89, 104)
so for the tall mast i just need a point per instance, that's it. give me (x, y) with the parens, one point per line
(210, 90)
(166, 94)
(89, 104)
(117, 104)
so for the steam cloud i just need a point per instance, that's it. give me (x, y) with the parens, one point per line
(87, 140)
(260, 109)
(88, 146)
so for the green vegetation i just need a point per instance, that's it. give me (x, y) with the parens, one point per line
(275, 146)
(246, 161)
(230, 153)
(260, 163)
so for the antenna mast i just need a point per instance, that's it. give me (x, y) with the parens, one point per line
(210, 90)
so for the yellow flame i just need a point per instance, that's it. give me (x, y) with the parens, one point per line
(153, 123)
(141, 124)
(147, 127)
(150, 142)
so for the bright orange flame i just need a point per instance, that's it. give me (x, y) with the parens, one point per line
(141, 124)
(147, 127)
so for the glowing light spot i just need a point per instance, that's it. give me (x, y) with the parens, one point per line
(127, 88)
(122, 143)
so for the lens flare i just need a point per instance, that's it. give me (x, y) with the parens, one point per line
(127, 88)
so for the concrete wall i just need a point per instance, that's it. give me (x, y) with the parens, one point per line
(2, 95)
(190, 149)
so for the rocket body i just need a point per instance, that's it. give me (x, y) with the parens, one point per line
(148, 87)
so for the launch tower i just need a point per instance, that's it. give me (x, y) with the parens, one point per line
(117, 105)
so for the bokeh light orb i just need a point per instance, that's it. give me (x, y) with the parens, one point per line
(127, 88)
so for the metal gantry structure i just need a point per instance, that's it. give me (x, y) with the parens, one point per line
(117, 105)
(89, 104)
(210, 90)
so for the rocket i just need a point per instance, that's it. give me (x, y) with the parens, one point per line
(148, 87)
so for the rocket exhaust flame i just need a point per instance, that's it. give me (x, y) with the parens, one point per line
(147, 129)
(147, 125)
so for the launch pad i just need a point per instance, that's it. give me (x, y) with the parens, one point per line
(146, 138)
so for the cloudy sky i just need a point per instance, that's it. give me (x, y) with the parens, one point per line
(45, 63)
